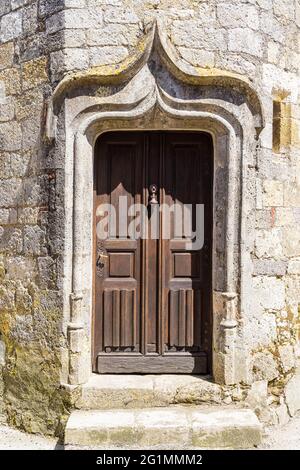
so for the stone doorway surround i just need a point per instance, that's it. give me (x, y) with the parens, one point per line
(155, 90)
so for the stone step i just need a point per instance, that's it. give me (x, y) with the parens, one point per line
(177, 427)
(147, 391)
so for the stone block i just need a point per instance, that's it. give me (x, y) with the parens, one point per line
(120, 15)
(245, 40)
(264, 367)
(274, 51)
(74, 38)
(7, 300)
(47, 8)
(76, 339)
(268, 243)
(291, 195)
(270, 292)
(190, 33)
(23, 300)
(269, 267)
(21, 268)
(107, 55)
(2, 353)
(75, 3)
(47, 273)
(284, 216)
(197, 57)
(11, 240)
(292, 395)
(76, 58)
(11, 26)
(230, 16)
(270, 25)
(257, 395)
(7, 217)
(30, 18)
(10, 192)
(113, 34)
(12, 81)
(28, 215)
(34, 73)
(287, 357)
(34, 241)
(7, 51)
(15, 4)
(164, 428)
(284, 8)
(291, 245)
(74, 19)
(264, 219)
(272, 193)
(294, 267)
(27, 101)
(7, 110)
(235, 63)
(31, 130)
(4, 7)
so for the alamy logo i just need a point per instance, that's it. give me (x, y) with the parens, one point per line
(138, 221)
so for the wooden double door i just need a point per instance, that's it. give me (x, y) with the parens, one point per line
(152, 293)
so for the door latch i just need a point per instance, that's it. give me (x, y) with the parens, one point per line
(153, 190)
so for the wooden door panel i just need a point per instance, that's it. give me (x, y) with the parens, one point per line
(118, 173)
(184, 311)
(119, 319)
(153, 296)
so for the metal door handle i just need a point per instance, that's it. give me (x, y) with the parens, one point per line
(153, 190)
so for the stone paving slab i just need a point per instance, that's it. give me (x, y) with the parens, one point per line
(179, 426)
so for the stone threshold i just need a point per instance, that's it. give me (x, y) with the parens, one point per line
(141, 391)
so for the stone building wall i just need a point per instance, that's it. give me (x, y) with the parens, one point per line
(40, 43)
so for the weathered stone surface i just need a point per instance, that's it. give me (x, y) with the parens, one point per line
(34, 73)
(164, 427)
(4, 7)
(198, 57)
(107, 55)
(74, 19)
(120, 15)
(269, 243)
(294, 267)
(292, 396)
(263, 286)
(287, 357)
(245, 40)
(191, 34)
(231, 16)
(18, 3)
(272, 193)
(268, 267)
(2, 353)
(10, 26)
(12, 81)
(282, 414)
(6, 55)
(265, 367)
(109, 391)
(112, 35)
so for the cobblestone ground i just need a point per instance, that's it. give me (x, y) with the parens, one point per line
(281, 438)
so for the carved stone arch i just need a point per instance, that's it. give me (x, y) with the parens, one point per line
(158, 90)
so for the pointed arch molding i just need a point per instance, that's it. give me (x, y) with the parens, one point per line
(155, 89)
(156, 41)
